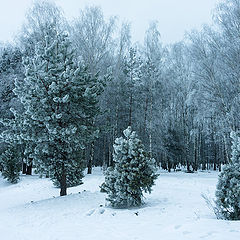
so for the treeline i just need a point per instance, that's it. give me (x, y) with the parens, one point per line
(181, 99)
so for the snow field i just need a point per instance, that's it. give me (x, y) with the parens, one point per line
(175, 210)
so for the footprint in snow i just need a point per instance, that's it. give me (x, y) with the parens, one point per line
(207, 235)
(94, 211)
(90, 212)
(101, 210)
(177, 226)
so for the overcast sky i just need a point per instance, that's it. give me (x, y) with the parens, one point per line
(174, 16)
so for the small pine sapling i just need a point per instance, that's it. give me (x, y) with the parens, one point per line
(134, 172)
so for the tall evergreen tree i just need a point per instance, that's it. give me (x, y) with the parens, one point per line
(59, 100)
(10, 68)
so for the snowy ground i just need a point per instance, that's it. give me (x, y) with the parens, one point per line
(175, 210)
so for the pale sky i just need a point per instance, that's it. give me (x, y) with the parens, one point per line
(174, 16)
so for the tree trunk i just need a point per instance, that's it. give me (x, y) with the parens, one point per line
(29, 167)
(203, 166)
(24, 168)
(150, 124)
(63, 182)
(90, 161)
(195, 165)
(110, 162)
(130, 110)
(226, 149)
(169, 165)
(145, 117)
(104, 164)
(188, 167)
(219, 167)
(199, 147)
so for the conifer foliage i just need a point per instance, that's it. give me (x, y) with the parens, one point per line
(134, 172)
(59, 99)
(228, 187)
(11, 164)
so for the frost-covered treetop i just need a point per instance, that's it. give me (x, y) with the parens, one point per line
(128, 133)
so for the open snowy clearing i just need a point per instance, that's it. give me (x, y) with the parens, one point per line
(175, 210)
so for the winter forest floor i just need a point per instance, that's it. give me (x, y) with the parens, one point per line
(175, 210)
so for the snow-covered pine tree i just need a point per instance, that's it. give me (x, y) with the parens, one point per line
(134, 172)
(59, 100)
(10, 152)
(11, 164)
(10, 68)
(228, 187)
